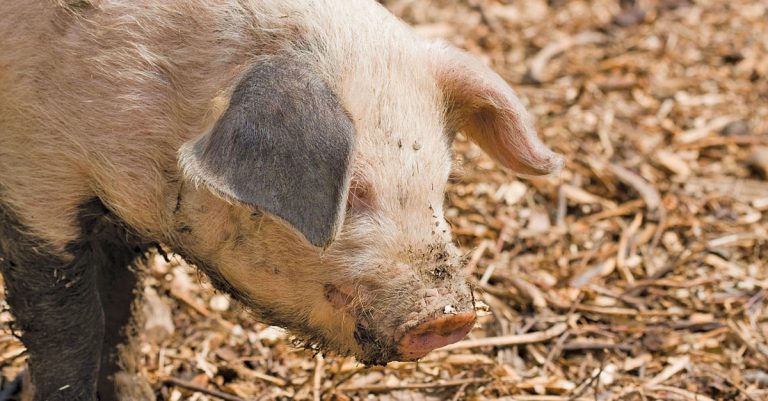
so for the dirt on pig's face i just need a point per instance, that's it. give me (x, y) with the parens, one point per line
(363, 295)
(389, 287)
(391, 290)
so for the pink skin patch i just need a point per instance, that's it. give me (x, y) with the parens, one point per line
(434, 334)
(361, 196)
(337, 297)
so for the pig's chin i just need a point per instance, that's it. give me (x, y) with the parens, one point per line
(374, 348)
(369, 343)
(368, 346)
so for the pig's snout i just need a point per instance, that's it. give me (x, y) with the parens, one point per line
(435, 333)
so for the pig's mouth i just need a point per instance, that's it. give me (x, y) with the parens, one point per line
(413, 341)
(415, 338)
(435, 333)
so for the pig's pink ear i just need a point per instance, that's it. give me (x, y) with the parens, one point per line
(481, 105)
(284, 145)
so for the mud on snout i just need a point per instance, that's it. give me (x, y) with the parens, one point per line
(407, 319)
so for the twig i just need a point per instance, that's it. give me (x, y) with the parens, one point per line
(627, 236)
(349, 375)
(649, 194)
(243, 371)
(541, 59)
(202, 310)
(531, 291)
(728, 140)
(723, 376)
(684, 393)
(583, 386)
(200, 389)
(318, 377)
(542, 398)
(562, 208)
(623, 209)
(607, 310)
(759, 349)
(676, 365)
(475, 258)
(382, 388)
(460, 392)
(492, 23)
(557, 349)
(517, 339)
(697, 134)
(759, 296)
(653, 279)
(595, 346)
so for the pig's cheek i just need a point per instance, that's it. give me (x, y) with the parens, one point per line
(341, 296)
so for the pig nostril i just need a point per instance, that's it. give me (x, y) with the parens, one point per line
(434, 334)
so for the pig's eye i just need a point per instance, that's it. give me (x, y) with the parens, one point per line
(361, 195)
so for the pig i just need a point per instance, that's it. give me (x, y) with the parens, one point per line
(295, 151)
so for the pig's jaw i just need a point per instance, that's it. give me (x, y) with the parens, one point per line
(404, 327)
(349, 322)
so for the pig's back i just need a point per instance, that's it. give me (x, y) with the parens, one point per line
(95, 102)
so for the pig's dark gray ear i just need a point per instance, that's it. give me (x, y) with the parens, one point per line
(480, 104)
(283, 145)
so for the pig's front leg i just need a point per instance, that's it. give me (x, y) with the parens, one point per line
(118, 290)
(62, 303)
(57, 309)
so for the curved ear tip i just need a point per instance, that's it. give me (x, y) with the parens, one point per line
(321, 241)
(555, 164)
(549, 164)
(321, 236)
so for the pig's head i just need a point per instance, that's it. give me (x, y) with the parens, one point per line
(318, 201)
